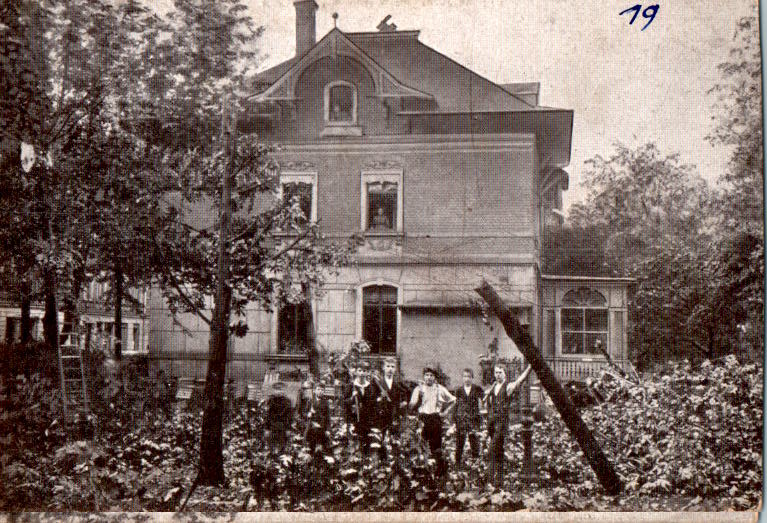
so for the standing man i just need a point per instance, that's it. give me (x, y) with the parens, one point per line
(466, 416)
(391, 402)
(433, 402)
(498, 397)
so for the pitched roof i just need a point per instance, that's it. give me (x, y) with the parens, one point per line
(454, 87)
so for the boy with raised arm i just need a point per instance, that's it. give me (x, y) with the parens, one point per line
(498, 398)
(433, 402)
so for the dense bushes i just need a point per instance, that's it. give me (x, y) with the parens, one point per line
(684, 439)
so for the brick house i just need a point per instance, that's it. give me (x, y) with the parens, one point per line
(448, 177)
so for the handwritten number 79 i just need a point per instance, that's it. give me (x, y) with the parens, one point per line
(649, 12)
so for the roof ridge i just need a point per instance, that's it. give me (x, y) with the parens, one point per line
(459, 64)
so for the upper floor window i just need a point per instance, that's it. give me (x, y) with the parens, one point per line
(301, 187)
(381, 201)
(340, 103)
(584, 322)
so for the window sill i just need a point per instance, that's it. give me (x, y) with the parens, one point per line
(286, 357)
(341, 130)
(385, 233)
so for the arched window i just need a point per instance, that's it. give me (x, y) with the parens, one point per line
(340, 103)
(584, 322)
(379, 318)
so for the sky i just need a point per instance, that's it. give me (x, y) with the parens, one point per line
(623, 83)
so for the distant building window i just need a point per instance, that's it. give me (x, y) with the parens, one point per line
(584, 322)
(136, 337)
(301, 188)
(381, 201)
(293, 327)
(340, 103)
(379, 318)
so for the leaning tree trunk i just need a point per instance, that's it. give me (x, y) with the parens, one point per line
(594, 455)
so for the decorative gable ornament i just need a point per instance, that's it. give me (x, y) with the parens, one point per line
(334, 44)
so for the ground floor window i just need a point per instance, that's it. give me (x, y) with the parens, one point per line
(584, 322)
(293, 328)
(379, 318)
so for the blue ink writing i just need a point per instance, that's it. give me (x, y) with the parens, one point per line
(649, 12)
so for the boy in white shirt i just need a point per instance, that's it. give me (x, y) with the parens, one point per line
(433, 401)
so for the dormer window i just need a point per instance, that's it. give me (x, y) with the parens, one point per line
(341, 110)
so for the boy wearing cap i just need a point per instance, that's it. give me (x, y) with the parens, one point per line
(433, 402)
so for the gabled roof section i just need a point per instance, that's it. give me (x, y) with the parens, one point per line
(335, 43)
(455, 87)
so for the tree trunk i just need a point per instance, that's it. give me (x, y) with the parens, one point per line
(594, 455)
(51, 322)
(118, 274)
(211, 466)
(313, 352)
(26, 316)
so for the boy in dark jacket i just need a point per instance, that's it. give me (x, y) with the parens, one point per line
(391, 402)
(364, 401)
(279, 416)
(318, 421)
(466, 416)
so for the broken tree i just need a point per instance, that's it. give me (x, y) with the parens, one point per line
(594, 455)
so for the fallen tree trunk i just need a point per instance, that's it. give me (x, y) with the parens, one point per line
(594, 455)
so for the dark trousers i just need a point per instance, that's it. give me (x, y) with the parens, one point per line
(317, 438)
(278, 440)
(432, 434)
(462, 432)
(497, 432)
(363, 433)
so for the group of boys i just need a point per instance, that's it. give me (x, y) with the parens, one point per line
(380, 402)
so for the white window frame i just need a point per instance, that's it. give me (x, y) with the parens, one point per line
(388, 176)
(326, 96)
(307, 177)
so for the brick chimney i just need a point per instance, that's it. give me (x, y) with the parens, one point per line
(306, 34)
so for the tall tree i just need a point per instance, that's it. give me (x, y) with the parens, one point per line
(653, 213)
(739, 264)
(250, 246)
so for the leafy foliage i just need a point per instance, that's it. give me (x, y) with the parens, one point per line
(682, 439)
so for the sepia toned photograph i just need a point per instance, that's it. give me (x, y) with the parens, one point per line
(403, 256)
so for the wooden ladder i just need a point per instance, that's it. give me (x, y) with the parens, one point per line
(72, 376)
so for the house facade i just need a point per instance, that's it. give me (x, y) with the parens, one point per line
(448, 178)
(97, 327)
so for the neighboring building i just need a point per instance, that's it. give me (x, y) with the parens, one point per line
(448, 177)
(96, 318)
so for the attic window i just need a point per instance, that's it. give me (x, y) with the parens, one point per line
(341, 109)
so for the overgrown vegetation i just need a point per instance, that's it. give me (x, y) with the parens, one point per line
(686, 438)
